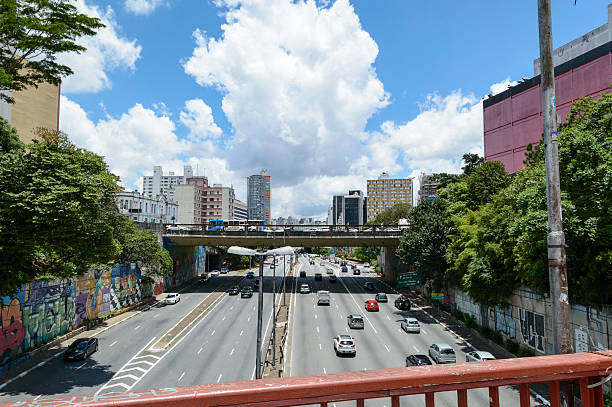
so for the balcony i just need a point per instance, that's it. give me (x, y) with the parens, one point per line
(588, 370)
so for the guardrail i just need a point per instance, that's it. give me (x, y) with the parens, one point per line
(587, 369)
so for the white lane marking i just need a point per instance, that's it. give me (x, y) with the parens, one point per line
(231, 308)
(213, 332)
(314, 305)
(359, 306)
(241, 332)
(232, 352)
(346, 329)
(223, 319)
(415, 348)
(37, 397)
(249, 319)
(336, 306)
(422, 330)
(388, 318)
(399, 330)
(200, 350)
(253, 308)
(320, 348)
(253, 375)
(84, 363)
(387, 348)
(112, 344)
(317, 329)
(137, 328)
(219, 378)
(315, 316)
(181, 376)
(155, 316)
(324, 371)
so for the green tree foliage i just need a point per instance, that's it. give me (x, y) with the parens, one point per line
(392, 215)
(32, 34)
(141, 247)
(472, 161)
(423, 245)
(323, 251)
(56, 211)
(366, 254)
(9, 140)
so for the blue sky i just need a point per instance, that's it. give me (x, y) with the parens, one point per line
(322, 94)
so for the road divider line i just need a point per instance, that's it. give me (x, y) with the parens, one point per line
(213, 332)
(219, 378)
(241, 332)
(137, 328)
(200, 350)
(232, 352)
(112, 344)
(415, 348)
(386, 347)
(320, 348)
(324, 371)
(181, 376)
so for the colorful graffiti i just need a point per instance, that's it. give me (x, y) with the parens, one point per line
(42, 310)
(532, 329)
(504, 321)
(189, 262)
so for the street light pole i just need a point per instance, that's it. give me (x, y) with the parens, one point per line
(258, 373)
(284, 278)
(274, 312)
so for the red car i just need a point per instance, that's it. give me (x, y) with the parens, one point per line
(371, 305)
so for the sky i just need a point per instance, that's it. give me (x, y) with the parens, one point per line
(323, 94)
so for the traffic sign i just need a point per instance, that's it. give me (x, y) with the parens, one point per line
(409, 279)
(437, 296)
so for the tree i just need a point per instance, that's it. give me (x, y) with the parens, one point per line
(472, 161)
(56, 212)
(392, 215)
(423, 245)
(32, 34)
(141, 247)
(9, 140)
(319, 250)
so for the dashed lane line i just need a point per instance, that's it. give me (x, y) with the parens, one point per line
(200, 350)
(219, 378)
(387, 348)
(181, 376)
(112, 344)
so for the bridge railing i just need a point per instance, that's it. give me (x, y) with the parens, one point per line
(588, 370)
(284, 230)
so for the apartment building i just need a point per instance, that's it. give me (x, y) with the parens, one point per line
(385, 192)
(158, 183)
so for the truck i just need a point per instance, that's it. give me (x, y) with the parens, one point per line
(323, 297)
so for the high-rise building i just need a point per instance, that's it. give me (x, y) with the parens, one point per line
(191, 197)
(240, 210)
(428, 189)
(258, 197)
(158, 183)
(228, 200)
(348, 209)
(513, 118)
(385, 192)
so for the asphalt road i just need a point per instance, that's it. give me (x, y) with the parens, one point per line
(217, 347)
(382, 344)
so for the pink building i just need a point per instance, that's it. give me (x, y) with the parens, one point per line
(513, 118)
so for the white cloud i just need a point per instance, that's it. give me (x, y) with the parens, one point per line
(106, 51)
(198, 118)
(499, 87)
(143, 7)
(298, 85)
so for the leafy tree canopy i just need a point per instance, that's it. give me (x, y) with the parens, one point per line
(392, 215)
(141, 247)
(472, 161)
(32, 34)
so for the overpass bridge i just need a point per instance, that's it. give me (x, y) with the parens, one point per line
(287, 235)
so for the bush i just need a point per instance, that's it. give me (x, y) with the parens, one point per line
(525, 352)
(470, 321)
(457, 314)
(498, 338)
(512, 346)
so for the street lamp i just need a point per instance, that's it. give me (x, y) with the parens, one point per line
(243, 251)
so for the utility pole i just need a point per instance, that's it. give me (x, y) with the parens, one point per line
(274, 312)
(258, 369)
(557, 268)
(284, 278)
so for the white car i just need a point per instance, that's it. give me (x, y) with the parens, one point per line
(176, 228)
(172, 298)
(478, 356)
(411, 325)
(442, 353)
(214, 273)
(344, 345)
(304, 289)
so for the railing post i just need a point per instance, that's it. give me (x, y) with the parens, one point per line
(395, 401)
(554, 388)
(598, 396)
(494, 396)
(360, 403)
(462, 398)
(429, 399)
(524, 393)
(586, 397)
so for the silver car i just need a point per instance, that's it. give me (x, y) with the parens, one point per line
(344, 345)
(478, 356)
(411, 325)
(442, 353)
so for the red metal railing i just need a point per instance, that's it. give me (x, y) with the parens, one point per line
(587, 369)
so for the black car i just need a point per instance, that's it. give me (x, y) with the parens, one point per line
(302, 274)
(234, 290)
(250, 274)
(356, 272)
(369, 286)
(344, 269)
(381, 297)
(203, 280)
(246, 292)
(318, 276)
(333, 278)
(81, 349)
(402, 303)
(417, 360)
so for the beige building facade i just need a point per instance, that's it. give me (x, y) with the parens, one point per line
(385, 192)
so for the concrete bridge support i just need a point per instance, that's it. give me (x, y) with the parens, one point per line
(390, 264)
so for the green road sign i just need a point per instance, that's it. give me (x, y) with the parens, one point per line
(408, 279)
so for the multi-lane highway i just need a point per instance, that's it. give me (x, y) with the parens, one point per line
(381, 344)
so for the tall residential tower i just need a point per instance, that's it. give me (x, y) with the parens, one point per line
(258, 197)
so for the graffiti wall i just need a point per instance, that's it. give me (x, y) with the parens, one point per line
(42, 310)
(504, 321)
(189, 262)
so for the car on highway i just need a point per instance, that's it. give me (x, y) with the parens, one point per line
(234, 290)
(329, 270)
(369, 286)
(203, 279)
(333, 278)
(371, 305)
(323, 297)
(172, 298)
(442, 353)
(318, 276)
(402, 303)
(81, 349)
(272, 266)
(366, 264)
(344, 269)
(381, 297)
(355, 321)
(224, 270)
(312, 262)
(305, 289)
(356, 272)
(250, 274)
(302, 273)
(478, 356)
(411, 325)
(418, 360)
(246, 292)
(344, 345)
(321, 264)
(215, 273)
